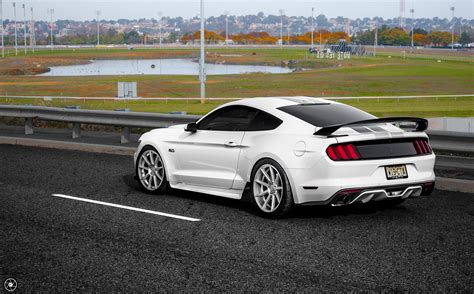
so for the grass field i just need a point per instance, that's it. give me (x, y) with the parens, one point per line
(392, 72)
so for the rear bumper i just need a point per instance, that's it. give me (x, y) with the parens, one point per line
(365, 195)
(323, 182)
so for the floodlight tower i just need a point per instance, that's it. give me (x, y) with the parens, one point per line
(402, 13)
(281, 11)
(3, 33)
(452, 29)
(202, 73)
(97, 13)
(226, 13)
(24, 27)
(16, 36)
(51, 12)
(160, 16)
(412, 25)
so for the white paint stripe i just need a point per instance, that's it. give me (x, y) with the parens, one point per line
(128, 207)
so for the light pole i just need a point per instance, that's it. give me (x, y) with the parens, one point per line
(288, 28)
(32, 32)
(24, 27)
(281, 11)
(51, 12)
(3, 33)
(202, 73)
(320, 36)
(97, 12)
(226, 13)
(16, 36)
(452, 29)
(412, 25)
(312, 27)
(160, 14)
(376, 37)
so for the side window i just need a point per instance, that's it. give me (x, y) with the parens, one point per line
(264, 122)
(231, 118)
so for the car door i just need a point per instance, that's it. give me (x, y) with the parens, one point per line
(209, 156)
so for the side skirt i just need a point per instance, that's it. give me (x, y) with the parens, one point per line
(228, 193)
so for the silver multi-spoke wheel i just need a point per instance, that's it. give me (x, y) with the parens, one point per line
(268, 188)
(150, 170)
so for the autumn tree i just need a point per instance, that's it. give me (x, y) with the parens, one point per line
(335, 37)
(254, 38)
(440, 39)
(420, 40)
(209, 37)
(394, 37)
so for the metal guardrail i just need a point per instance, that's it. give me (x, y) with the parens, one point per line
(123, 119)
(452, 142)
(452, 124)
(441, 140)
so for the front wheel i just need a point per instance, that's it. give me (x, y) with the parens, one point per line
(271, 191)
(151, 170)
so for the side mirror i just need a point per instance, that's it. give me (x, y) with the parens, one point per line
(191, 127)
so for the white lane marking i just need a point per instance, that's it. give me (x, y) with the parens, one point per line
(128, 207)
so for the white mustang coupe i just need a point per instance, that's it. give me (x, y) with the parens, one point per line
(290, 150)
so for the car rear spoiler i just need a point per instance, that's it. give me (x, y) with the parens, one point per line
(421, 124)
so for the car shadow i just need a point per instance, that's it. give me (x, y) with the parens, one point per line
(299, 211)
(326, 211)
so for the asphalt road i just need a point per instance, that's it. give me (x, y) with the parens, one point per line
(54, 244)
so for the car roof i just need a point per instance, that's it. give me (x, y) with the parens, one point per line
(270, 104)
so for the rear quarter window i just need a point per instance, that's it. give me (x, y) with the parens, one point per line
(264, 122)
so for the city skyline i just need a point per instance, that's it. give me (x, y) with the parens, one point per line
(85, 10)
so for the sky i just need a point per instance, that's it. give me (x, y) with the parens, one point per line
(129, 9)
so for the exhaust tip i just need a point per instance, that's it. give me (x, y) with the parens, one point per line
(428, 188)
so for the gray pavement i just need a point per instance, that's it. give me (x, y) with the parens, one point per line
(52, 244)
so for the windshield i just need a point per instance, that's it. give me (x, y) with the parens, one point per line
(326, 114)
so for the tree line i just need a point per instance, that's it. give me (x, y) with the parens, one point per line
(386, 36)
(399, 37)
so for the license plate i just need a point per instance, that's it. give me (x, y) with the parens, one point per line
(396, 172)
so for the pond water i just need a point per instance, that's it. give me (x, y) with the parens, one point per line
(157, 67)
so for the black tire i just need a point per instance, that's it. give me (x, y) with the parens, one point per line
(286, 204)
(163, 186)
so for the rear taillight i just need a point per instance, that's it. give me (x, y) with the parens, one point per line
(422, 146)
(343, 152)
(379, 149)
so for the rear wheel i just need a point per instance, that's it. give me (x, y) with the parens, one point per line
(151, 170)
(271, 191)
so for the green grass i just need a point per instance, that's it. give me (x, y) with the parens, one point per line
(416, 74)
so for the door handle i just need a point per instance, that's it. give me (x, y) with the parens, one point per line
(230, 144)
